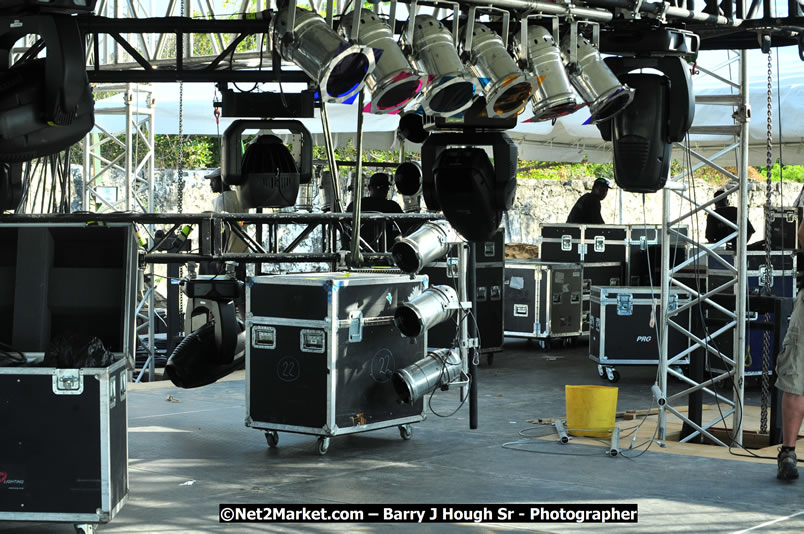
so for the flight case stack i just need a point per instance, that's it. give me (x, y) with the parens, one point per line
(543, 299)
(321, 349)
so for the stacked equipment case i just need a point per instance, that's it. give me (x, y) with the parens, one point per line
(625, 324)
(543, 300)
(320, 352)
(64, 445)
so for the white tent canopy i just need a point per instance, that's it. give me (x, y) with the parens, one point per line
(569, 139)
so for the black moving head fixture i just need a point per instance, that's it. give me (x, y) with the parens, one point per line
(267, 174)
(460, 180)
(661, 113)
(46, 105)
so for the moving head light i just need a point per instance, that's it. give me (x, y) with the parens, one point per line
(661, 113)
(46, 105)
(460, 180)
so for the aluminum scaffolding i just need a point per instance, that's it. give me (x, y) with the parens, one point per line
(704, 298)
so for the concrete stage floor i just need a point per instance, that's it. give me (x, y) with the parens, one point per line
(189, 451)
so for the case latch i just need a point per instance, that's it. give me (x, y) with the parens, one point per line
(68, 382)
(600, 243)
(672, 302)
(355, 326)
(643, 242)
(452, 268)
(566, 242)
(625, 304)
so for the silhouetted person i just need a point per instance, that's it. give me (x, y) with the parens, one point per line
(378, 201)
(587, 208)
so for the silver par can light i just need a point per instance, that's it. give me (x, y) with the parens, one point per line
(450, 87)
(505, 86)
(440, 367)
(425, 245)
(432, 306)
(393, 83)
(595, 81)
(340, 69)
(553, 94)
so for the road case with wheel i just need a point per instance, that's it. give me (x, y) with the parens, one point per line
(542, 299)
(64, 444)
(320, 352)
(624, 326)
(489, 304)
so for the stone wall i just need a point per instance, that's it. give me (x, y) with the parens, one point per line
(537, 201)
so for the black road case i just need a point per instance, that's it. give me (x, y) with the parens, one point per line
(624, 326)
(489, 285)
(321, 349)
(64, 445)
(542, 299)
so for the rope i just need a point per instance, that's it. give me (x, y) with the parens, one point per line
(767, 277)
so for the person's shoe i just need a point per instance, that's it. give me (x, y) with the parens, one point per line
(787, 468)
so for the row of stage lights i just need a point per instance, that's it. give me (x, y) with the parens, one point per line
(424, 68)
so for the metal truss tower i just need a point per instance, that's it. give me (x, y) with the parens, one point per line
(718, 352)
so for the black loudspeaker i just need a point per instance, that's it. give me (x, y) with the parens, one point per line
(642, 151)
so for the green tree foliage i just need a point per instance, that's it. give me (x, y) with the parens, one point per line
(788, 173)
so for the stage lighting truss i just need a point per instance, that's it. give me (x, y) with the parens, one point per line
(506, 88)
(339, 68)
(590, 75)
(393, 83)
(450, 86)
(536, 49)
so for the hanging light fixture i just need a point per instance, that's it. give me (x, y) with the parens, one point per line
(505, 86)
(439, 368)
(393, 83)
(432, 306)
(553, 95)
(592, 78)
(339, 68)
(450, 88)
(427, 244)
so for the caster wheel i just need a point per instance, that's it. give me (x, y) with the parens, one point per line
(85, 529)
(601, 371)
(323, 445)
(612, 375)
(272, 437)
(406, 432)
(490, 359)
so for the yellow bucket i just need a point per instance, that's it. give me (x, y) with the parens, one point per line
(591, 410)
